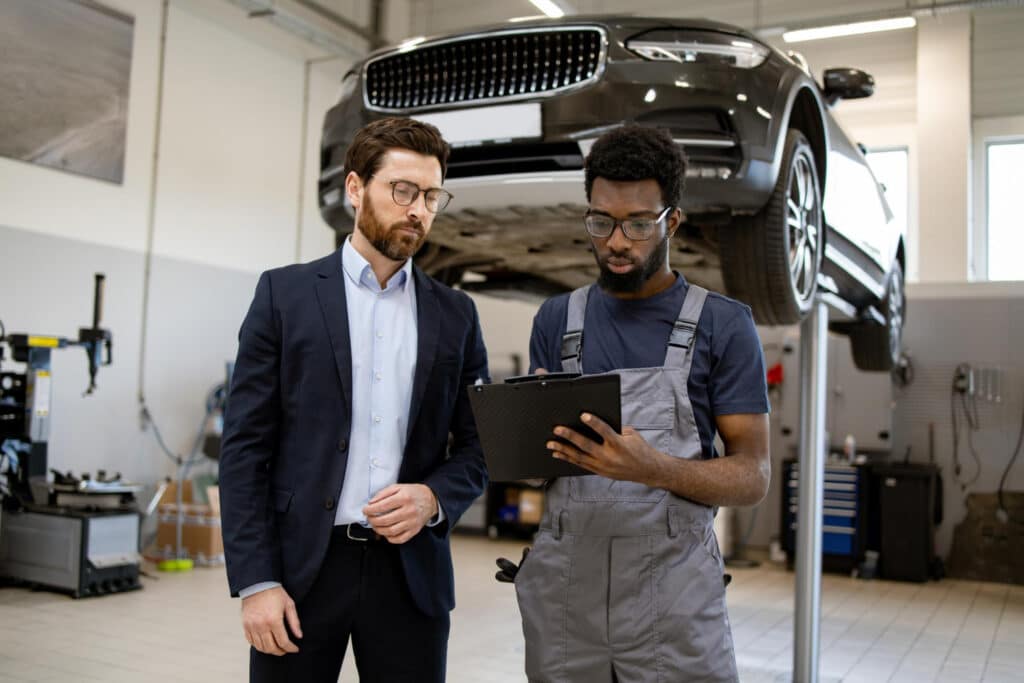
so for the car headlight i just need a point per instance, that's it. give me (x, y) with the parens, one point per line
(673, 45)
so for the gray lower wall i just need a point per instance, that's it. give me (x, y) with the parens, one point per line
(939, 335)
(46, 286)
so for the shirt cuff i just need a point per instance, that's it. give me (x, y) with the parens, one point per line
(439, 517)
(257, 588)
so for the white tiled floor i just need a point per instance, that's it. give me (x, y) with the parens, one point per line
(183, 627)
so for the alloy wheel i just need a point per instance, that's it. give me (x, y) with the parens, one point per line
(803, 222)
(895, 317)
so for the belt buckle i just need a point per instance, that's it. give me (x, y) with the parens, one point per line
(348, 532)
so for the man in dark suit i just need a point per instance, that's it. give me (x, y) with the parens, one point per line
(349, 447)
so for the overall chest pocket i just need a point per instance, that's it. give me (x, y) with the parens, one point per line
(655, 422)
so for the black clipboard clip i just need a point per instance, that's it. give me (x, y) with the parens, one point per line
(546, 376)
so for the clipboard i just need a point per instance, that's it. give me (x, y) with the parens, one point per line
(515, 420)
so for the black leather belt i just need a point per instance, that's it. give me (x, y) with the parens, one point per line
(356, 533)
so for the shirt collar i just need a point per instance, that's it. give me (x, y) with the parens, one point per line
(359, 271)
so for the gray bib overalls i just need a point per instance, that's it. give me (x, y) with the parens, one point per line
(624, 582)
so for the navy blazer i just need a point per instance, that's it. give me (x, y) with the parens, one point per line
(286, 429)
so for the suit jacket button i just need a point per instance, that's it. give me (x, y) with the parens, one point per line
(329, 504)
(343, 445)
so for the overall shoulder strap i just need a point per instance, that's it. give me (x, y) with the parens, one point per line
(572, 341)
(684, 330)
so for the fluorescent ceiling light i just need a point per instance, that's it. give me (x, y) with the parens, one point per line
(849, 29)
(549, 8)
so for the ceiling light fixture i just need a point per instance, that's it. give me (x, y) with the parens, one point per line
(851, 29)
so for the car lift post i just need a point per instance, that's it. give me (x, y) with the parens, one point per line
(813, 377)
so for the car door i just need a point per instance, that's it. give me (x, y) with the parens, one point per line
(854, 202)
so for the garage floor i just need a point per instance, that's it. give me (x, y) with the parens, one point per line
(185, 628)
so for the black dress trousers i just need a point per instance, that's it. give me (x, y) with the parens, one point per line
(360, 593)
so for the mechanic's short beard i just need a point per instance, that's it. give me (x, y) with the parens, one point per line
(387, 240)
(633, 281)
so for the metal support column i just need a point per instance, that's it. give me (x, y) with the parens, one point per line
(813, 376)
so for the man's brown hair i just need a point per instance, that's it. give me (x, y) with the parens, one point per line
(373, 140)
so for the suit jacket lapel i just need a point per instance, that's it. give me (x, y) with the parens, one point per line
(428, 326)
(330, 292)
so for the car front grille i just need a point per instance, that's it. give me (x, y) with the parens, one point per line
(493, 67)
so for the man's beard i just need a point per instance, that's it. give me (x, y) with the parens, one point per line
(633, 281)
(397, 246)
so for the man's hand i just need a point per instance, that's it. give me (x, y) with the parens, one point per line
(625, 457)
(399, 511)
(263, 617)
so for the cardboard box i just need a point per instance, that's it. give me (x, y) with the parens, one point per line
(531, 506)
(171, 492)
(213, 496)
(201, 538)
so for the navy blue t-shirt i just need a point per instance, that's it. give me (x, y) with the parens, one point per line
(727, 375)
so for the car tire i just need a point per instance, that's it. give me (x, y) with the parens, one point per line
(875, 347)
(771, 260)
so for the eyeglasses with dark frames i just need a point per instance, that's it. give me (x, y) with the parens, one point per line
(405, 193)
(639, 229)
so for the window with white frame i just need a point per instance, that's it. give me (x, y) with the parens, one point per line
(1004, 229)
(891, 166)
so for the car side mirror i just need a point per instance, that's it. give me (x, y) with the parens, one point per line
(847, 84)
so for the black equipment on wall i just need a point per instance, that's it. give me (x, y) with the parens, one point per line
(907, 499)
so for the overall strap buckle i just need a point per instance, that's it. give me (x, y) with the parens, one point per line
(683, 332)
(572, 343)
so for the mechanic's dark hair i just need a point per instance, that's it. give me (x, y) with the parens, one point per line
(638, 153)
(373, 140)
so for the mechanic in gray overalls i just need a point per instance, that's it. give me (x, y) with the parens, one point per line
(625, 581)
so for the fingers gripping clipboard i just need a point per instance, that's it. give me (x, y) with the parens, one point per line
(515, 420)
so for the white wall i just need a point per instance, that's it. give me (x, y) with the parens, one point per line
(228, 183)
(324, 86)
(228, 173)
(944, 139)
(237, 158)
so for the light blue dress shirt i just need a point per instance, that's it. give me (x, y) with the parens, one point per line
(383, 339)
